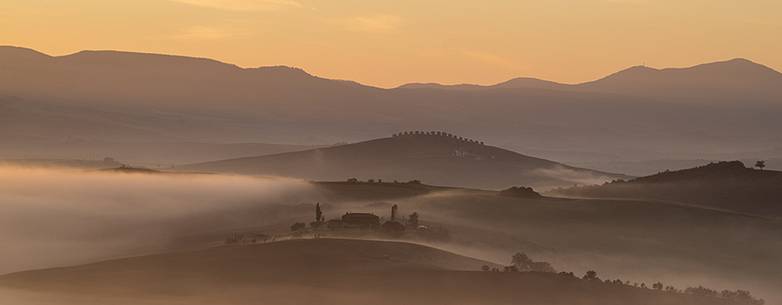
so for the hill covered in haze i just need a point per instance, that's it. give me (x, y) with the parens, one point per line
(634, 239)
(432, 157)
(329, 271)
(123, 97)
(151, 154)
(726, 81)
(725, 185)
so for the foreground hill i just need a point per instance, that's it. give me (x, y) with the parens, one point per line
(725, 185)
(315, 271)
(124, 97)
(439, 159)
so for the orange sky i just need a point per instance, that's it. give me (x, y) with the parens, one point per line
(391, 42)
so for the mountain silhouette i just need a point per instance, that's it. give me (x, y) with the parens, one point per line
(516, 83)
(439, 159)
(531, 83)
(126, 97)
(738, 78)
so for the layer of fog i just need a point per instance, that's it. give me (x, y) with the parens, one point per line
(51, 217)
(496, 239)
(566, 174)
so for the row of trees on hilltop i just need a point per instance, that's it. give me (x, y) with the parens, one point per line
(436, 133)
(356, 180)
(739, 296)
(520, 262)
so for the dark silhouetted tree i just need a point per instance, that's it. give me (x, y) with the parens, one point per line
(701, 291)
(412, 220)
(741, 297)
(567, 274)
(318, 213)
(590, 275)
(298, 226)
(761, 164)
(520, 259)
(524, 263)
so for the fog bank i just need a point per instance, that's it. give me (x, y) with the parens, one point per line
(51, 217)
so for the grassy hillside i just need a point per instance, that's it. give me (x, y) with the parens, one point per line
(434, 159)
(723, 185)
(636, 240)
(323, 271)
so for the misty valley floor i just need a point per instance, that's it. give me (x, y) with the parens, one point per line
(142, 213)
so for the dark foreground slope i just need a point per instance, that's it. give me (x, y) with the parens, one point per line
(315, 271)
(724, 185)
(435, 159)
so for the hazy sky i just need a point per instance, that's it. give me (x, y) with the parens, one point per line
(390, 42)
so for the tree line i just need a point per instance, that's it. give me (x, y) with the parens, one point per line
(520, 262)
(436, 133)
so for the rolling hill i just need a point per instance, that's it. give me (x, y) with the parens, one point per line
(142, 213)
(637, 114)
(724, 185)
(633, 239)
(435, 158)
(329, 271)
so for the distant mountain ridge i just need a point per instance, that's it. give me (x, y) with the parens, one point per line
(432, 157)
(125, 97)
(738, 71)
(737, 77)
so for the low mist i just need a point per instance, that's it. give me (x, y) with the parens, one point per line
(576, 177)
(636, 242)
(51, 217)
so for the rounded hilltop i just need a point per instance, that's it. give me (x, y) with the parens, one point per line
(436, 157)
(713, 171)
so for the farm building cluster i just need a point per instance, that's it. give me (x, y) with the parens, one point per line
(364, 222)
(352, 224)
